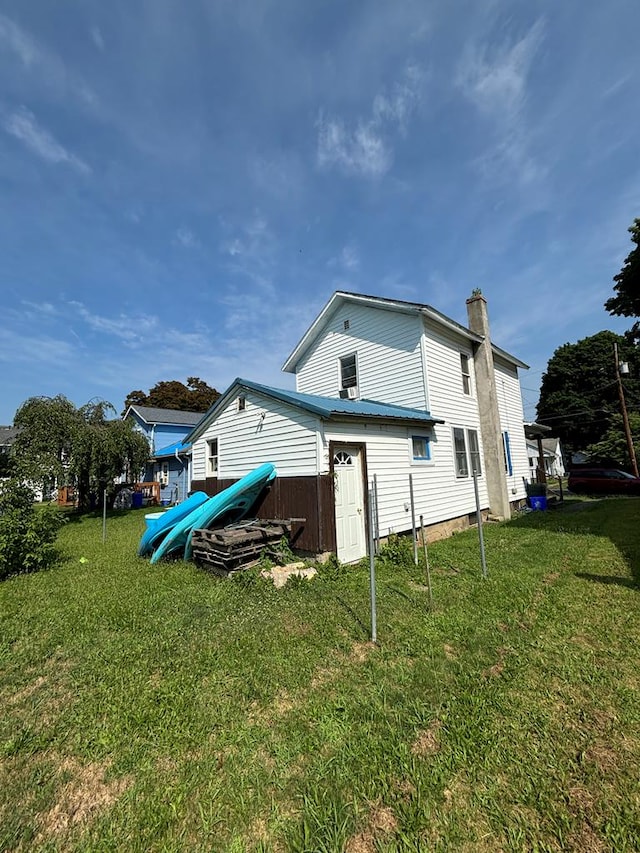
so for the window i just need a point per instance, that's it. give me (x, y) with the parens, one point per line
(348, 371)
(348, 374)
(460, 450)
(164, 474)
(464, 440)
(466, 375)
(420, 448)
(212, 457)
(474, 451)
(506, 450)
(242, 403)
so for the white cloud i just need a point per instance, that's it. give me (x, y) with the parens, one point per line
(133, 331)
(186, 238)
(23, 125)
(18, 41)
(364, 148)
(494, 79)
(97, 38)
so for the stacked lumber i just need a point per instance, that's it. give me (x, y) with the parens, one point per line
(227, 549)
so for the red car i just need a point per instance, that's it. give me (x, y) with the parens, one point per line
(603, 481)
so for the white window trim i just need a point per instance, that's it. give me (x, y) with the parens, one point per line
(467, 375)
(209, 456)
(467, 452)
(341, 387)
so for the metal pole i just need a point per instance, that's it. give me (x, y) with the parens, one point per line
(375, 502)
(625, 416)
(372, 573)
(479, 517)
(104, 517)
(413, 521)
(426, 560)
(560, 487)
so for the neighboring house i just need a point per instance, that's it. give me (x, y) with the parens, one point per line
(169, 461)
(8, 435)
(551, 452)
(384, 389)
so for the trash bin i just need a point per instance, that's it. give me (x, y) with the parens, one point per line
(538, 502)
(136, 500)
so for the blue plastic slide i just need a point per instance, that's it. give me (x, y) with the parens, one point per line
(158, 528)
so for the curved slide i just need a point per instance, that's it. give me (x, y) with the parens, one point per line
(158, 528)
(233, 502)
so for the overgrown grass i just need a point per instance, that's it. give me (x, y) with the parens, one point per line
(158, 708)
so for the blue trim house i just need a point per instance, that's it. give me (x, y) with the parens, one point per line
(170, 460)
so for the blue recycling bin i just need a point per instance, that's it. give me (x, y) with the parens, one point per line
(538, 502)
(136, 500)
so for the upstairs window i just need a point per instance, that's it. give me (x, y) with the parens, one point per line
(348, 375)
(466, 374)
(420, 448)
(212, 457)
(242, 403)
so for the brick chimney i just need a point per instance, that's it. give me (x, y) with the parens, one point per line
(486, 394)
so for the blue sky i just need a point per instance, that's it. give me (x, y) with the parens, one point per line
(184, 184)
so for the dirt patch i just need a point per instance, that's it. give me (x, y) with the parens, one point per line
(586, 839)
(81, 798)
(449, 652)
(428, 741)
(28, 691)
(360, 651)
(604, 757)
(551, 578)
(381, 822)
(497, 668)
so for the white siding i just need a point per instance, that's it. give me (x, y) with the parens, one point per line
(512, 421)
(389, 357)
(438, 494)
(285, 436)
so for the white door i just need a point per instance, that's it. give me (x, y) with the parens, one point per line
(350, 528)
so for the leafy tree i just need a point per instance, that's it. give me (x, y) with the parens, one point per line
(626, 302)
(195, 396)
(80, 447)
(612, 448)
(579, 396)
(27, 533)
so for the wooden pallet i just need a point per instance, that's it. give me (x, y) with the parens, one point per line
(228, 549)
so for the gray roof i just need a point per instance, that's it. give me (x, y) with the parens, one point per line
(8, 435)
(151, 415)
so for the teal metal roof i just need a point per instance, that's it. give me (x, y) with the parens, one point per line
(171, 449)
(328, 408)
(332, 407)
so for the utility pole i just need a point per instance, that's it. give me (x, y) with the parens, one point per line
(625, 416)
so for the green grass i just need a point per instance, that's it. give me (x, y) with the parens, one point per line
(157, 708)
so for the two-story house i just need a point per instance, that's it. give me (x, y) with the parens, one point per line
(384, 389)
(165, 430)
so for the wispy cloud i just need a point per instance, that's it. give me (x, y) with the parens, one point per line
(131, 330)
(23, 125)
(97, 38)
(45, 66)
(364, 148)
(186, 238)
(494, 77)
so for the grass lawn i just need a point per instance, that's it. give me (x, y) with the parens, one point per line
(157, 708)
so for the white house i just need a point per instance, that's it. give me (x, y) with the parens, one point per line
(553, 462)
(384, 389)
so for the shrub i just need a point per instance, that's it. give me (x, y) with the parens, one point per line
(27, 533)
(397, 551)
